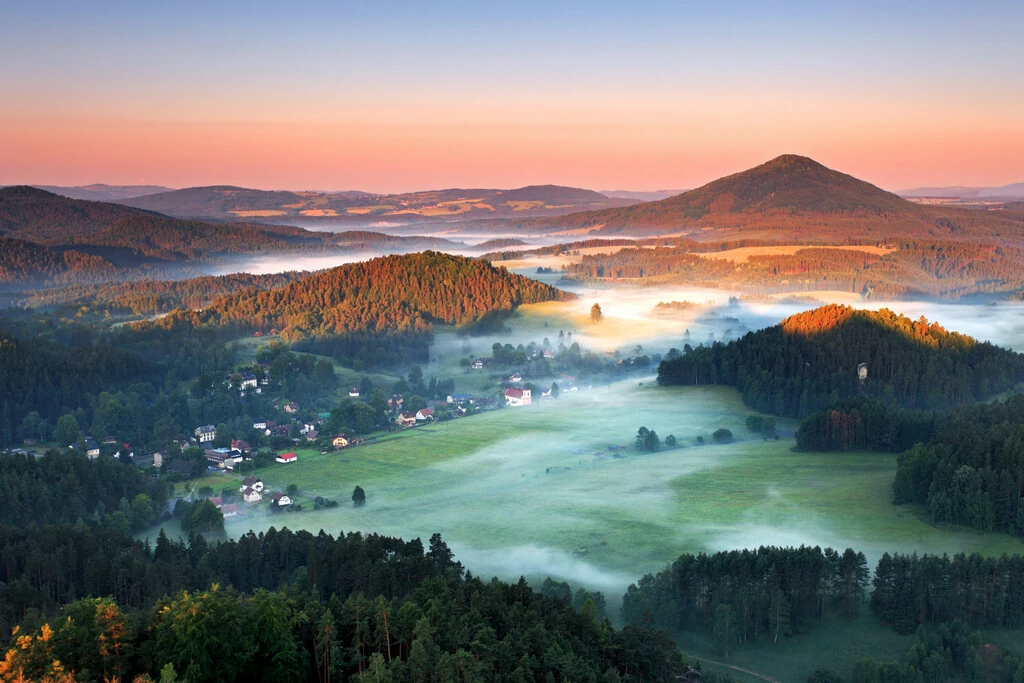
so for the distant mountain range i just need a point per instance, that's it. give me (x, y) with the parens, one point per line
(1005, 192)
(641, 196)
(49, 239)
(99, 192)
(224, 202)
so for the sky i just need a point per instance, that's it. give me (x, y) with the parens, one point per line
(399, 96)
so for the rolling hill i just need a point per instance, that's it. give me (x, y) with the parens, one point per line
(789, 198)
(100, 192)
(317, 208)
(40, 216)
(403, 294)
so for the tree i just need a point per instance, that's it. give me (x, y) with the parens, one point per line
(358, 497)
(722, 435)
(555, 390)
(595, 313)
(67, 431)
(670, 441)
(724, 627)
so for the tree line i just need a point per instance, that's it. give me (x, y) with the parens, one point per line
(293, 606)
(811, 359)
(745, 595)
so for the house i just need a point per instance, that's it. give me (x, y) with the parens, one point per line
(251, 495)
(339, 441)
(158, 459)
(460, 398)
(249, 381)
(353, 392)
(312, 435)
(517, 397)
(406, 420)
(259, 424)
(281, 499)
(225, 458)
(109, 440)
(88, 446)
(516, 378)
(425, 415)
(229, 510)
(252, 482)
(481, 363)
(286, 458)
(548, 354)
(206, 433)
(217, 501)
(241, 446)
(292, 408)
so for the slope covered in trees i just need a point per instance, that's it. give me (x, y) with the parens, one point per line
(287, 606)
(407, 293)
(811, 359)
(149, 297)
(41, 216)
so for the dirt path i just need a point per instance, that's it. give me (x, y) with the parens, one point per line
(736, 668)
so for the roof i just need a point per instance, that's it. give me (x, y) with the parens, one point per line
(247, 491)
(180, 466)
(218, 501)
(426, 412)
(250, 480)
(288, 456)
(206, 428)
(409, 416)
(514, 393)
(230, 508)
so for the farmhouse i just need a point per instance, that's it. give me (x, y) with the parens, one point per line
(340, 441)
(517, 397)
(206, 433)
(286, 458)
(252, 482)
(353, 392)
(259, 424)
(281, 499)
(425, 415)
(406, 420)
(229, 510)
(251, 495)
(292, 408)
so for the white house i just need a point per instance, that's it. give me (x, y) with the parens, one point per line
(206, 433)
(353, 392)
(517, 397)
(281, 499)
(260, 424)
(251, 495)
(424, 415)
(286, 458)
(251, 482)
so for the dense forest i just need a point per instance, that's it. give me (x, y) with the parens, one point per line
(986, 592)
(964, 466)
(971, 471)
(152, 297)
(811, 359)
(376, 312)
(744, 595)
(293, 606)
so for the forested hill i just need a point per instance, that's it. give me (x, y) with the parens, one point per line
(789, 197)
(810, 360)
(41, 216)
(406, 293)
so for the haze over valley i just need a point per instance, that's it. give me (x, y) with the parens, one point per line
(322, 359)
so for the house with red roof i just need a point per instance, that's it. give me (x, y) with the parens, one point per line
(286, 458)
(517, 397)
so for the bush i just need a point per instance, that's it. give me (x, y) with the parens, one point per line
(722, 435)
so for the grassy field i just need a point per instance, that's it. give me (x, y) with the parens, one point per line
(535, 491)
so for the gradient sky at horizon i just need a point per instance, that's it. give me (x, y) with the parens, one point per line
(399, 96)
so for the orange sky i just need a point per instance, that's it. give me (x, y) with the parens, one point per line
(652, 96)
